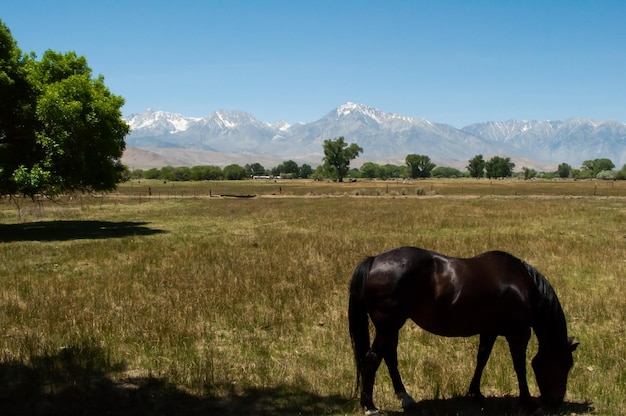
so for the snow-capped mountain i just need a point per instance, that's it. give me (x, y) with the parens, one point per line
(158, 123)
(383, 136)
(571, 141)
(220, 131)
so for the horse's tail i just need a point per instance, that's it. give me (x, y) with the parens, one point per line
(357, 316)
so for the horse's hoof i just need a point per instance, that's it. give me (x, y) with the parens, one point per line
(476, 395)
(372, 411)
(532, 406)
(408, 402)
(538, 412)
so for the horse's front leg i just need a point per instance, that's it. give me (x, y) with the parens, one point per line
(485, 346)
(517, 346)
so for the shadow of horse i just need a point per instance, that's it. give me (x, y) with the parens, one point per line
(72, 230)
(489, 406)
(80, 380)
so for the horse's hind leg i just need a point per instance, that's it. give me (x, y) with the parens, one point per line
(390, 355)
(485, 346)
(368, 371)
(384, 347)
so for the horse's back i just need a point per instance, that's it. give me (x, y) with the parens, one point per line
(451, 296)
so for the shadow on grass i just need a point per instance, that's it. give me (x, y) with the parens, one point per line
(78, 381)
(490, 406)
(72, 230)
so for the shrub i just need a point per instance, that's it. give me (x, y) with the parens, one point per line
(606, 174)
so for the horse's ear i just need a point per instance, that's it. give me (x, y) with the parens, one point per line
(572, 345)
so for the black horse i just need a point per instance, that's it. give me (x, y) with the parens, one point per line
(491, 294)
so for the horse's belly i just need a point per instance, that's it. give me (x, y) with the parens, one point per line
(455, 322)
(454, 330)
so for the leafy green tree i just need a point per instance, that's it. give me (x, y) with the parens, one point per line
(234, 172)
(588, 167)
(607, 175)
(393, 171)
(476, 167)
(213, 173)
(288, 167)
(370, 170)
(528, 173)
(337, 157)
(420, 166)
(60, 129)
(354, 173)
(166, 173)
(18, 98)
(384, 173)
(446, 172)
(319, 173)
(564, 170)
(181, 174)
(581, 174)
(197, 173)
(596, 166)
(152, 173)
(499, 167)
(137, 174)
(255, 169)
(306, 171)
(205, 173)
(126, 174)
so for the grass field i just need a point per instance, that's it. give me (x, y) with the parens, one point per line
(182, 298)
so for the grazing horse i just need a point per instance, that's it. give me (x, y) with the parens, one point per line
(488, 295)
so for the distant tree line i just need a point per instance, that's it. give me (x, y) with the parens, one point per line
(502, 167)
(287, 169)
(590, 169)
(336, 166)
(416, 167)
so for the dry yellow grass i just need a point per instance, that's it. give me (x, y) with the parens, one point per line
(183, 304)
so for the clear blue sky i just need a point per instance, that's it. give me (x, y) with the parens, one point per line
(455, 62)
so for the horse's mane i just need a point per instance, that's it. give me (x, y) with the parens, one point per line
(549, 319)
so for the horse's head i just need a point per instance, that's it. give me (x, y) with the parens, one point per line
(551, 371)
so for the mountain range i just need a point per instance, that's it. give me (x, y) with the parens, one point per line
(223, 137)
